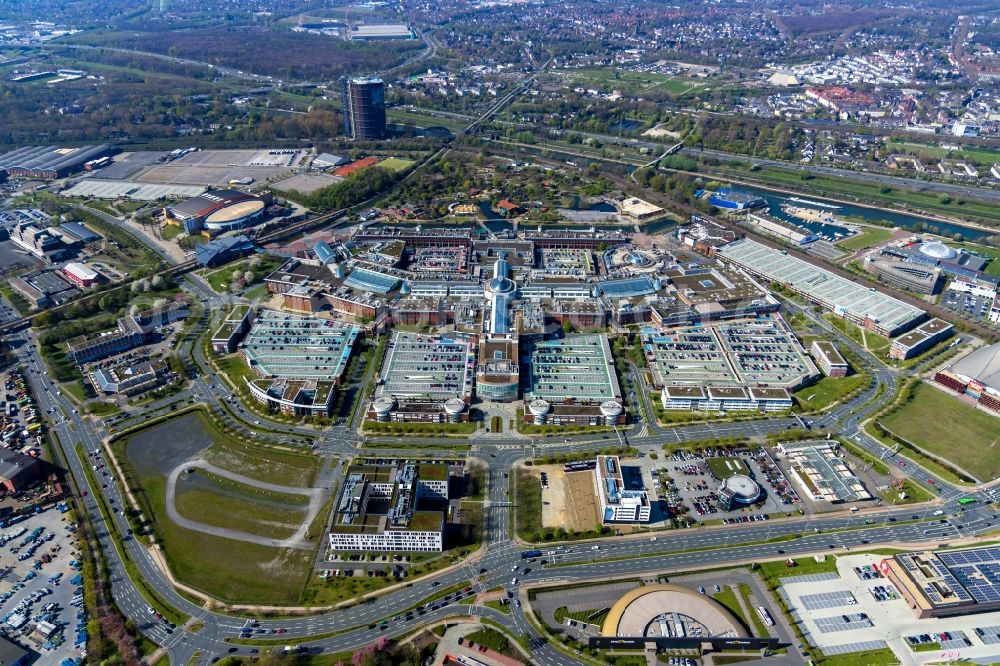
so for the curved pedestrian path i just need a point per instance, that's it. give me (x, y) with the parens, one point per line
(296, 540)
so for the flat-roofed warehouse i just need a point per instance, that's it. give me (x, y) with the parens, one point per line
(865, 307)
(572, 380)
(425, 378)
(48, 162)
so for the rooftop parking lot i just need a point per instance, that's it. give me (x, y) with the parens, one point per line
(578, 367)
(758, 352)
(291, 346)
(431, 367)
(440, 260)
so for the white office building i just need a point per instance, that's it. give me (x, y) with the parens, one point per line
(618, 505)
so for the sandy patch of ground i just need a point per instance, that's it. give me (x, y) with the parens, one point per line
(553, 497)
(582, 511)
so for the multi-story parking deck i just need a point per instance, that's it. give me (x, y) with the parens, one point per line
(288, 346)
(425, 378)
(578, 367)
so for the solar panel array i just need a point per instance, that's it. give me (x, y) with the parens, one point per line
(976, 570)
(824, 600)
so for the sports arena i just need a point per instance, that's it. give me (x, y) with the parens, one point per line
(217, 211)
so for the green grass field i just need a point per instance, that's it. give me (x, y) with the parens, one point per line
(234, 571)
(950, 429)
(231, 570)
(877, 344)
(727, 597)
(723, 468)
(239, 513)
(866, 239)
(617, 78)
(827, 391)
(171, 231)
(396, 164)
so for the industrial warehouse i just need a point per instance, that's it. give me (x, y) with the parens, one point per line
(749, 364)
(51, 162)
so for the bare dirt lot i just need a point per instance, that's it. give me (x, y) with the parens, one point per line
(569, 501)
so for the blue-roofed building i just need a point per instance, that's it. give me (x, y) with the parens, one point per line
(80, 232)
(731, 199)
(629, 288)
(217, 252)
(371, 281)
(324, 252)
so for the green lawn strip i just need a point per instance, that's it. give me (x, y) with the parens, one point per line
(723, 659)
(828, 391)
(870, 236)
(758, 624)
(171, 231)
(318, 523)
(883, 657)
(334, 590)
(924, 647)
(531, 429)
(433, 429)
(934, 420)
(103, 408)
(492, 639)
(147, 592)
(245, 515)
(877, 344)
(804, 565)
(727, 597)
(254, 492)
(164, 660)
(496, 605)
(527, 503)
(21, 305)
